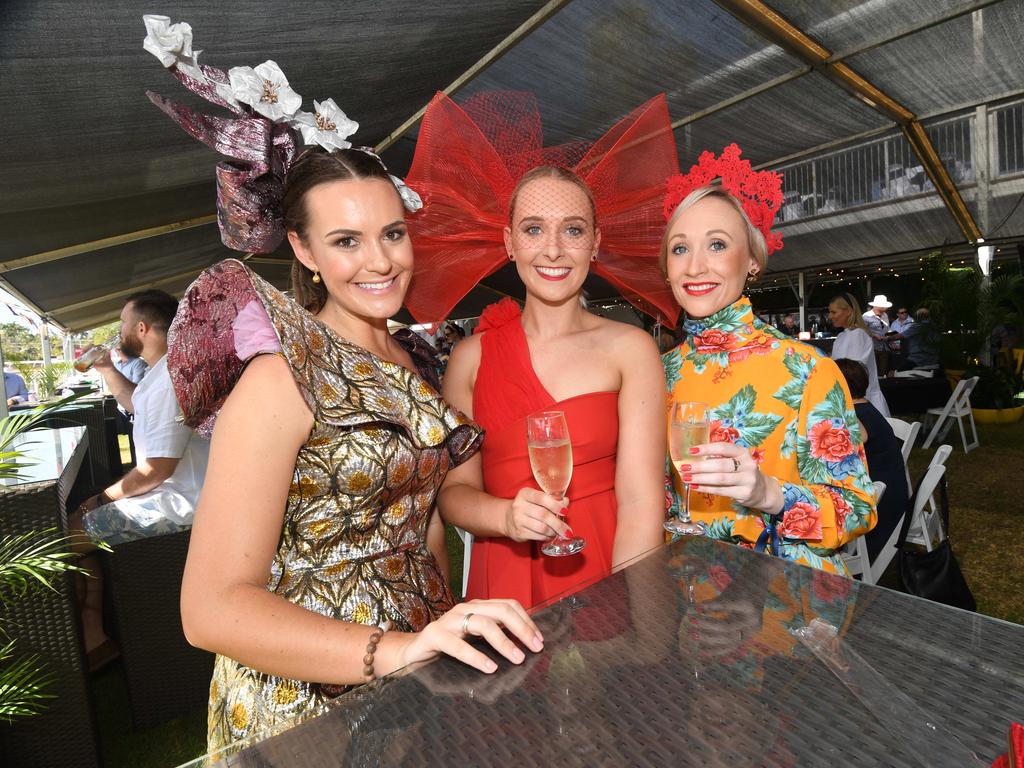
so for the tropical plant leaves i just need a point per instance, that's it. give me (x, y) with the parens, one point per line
(22, 685)
(12, 461)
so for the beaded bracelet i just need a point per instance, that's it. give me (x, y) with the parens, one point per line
(371, 649)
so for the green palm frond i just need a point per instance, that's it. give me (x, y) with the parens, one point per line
(29, 560)
(22, 685)
(12, 460)
(36, 558)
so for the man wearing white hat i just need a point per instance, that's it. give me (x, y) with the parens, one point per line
(877, 322)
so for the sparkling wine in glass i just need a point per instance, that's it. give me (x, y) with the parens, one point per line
(687, 429)
(547, 437)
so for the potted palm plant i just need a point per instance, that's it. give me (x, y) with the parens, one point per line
(995, 397)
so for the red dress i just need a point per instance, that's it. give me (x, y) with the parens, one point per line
(506, 391)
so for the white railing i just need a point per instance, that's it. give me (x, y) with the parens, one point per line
(1009, 125)
(881, 169)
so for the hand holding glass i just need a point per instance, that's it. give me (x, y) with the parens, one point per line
(551, 461)
(687, 429)
(88, 358)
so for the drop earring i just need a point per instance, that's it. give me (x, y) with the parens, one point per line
(316, 277)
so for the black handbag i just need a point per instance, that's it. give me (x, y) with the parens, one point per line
(934, 575)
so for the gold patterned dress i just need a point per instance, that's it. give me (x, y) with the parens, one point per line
(353, 543)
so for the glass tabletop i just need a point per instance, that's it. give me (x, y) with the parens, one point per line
(700, 653)
(48, 452)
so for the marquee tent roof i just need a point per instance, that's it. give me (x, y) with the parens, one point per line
(899, 124)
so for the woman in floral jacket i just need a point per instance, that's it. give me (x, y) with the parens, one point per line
(784, 468)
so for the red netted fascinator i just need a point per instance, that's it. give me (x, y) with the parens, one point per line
(759, 192)
(468, 161)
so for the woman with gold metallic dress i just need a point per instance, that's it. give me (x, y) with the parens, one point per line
(311, 535)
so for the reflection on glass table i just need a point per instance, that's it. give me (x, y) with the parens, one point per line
(701, 653)
(47, 452)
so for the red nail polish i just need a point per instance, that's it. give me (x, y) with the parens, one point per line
(687, 478)
(694, 451)
(685, 467)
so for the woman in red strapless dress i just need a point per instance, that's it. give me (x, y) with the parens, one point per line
(582, 209)
(605, 376)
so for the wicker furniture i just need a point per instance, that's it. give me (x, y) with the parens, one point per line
(46, 623)
(91, 413)
(166, 676)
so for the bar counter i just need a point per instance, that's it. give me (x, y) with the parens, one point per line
(700, 653)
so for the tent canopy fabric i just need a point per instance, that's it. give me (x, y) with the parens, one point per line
(105, 196)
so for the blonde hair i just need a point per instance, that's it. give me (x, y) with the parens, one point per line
(755, 240)
(847, 301)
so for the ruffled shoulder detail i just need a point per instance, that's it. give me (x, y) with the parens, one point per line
(498, 315)
(343, 384)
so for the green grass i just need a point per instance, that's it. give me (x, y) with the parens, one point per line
(986, 501)
(170, 744)
(986, 493)
(455, 551)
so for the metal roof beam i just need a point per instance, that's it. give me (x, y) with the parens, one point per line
(30, 304)
(835, 58)
(922, 146)
(774, 27)
(127, 291)
(912, 29)
(819, 148)
(106, 242)
(519, 34)
(740, 97)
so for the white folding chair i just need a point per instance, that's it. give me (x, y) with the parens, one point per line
(907, 432)
(941, 454)
(938, 460)
(957, 407)
(925, 525)
(855, 554)
(467, 550)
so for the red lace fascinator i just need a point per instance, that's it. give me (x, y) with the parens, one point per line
(467, 164)
(759, 192)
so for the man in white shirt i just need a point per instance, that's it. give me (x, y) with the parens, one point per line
(159, 495)
(877, 322)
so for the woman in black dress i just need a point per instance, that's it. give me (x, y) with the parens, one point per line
(885, 460)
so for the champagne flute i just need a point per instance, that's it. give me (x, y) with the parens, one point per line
(547, 437)
(688, 428)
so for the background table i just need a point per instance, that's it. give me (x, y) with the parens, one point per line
(910, 395)
(691, 656)
(825, 345)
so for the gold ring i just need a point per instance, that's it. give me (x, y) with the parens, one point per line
(465, 623)
(735, 465)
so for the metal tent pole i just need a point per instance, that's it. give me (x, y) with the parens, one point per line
(44, 330)
(3, 387)
(802, 295)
